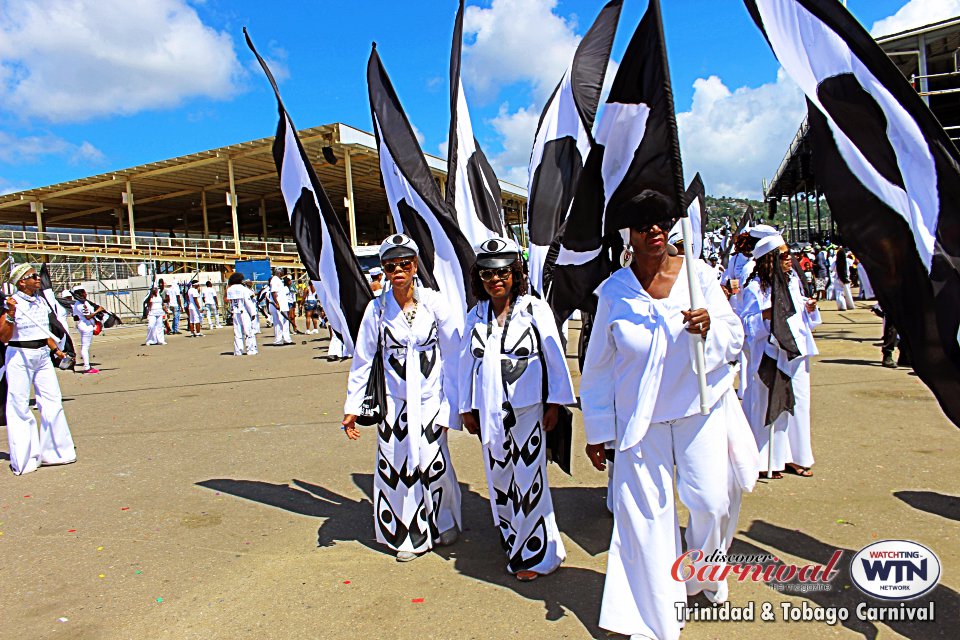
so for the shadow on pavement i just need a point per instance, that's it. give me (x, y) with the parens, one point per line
(477, 555)
(932, 502)
(844, 592)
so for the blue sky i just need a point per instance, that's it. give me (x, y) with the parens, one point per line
(96, 85)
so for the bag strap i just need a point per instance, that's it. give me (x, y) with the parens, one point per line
(544, 376)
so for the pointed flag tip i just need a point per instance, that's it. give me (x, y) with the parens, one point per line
(374, 43)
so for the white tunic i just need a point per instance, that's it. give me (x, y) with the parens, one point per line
(277, 287)
(240, 298)
(81, 309)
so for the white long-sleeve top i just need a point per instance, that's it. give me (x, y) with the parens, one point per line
(81, 309)
(433, 342)
(240, 298)
(639, 367)
(503, 364)
(756, 300)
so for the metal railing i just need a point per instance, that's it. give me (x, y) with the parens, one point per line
(146, 245)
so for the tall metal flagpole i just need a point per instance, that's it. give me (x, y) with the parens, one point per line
(696, 302)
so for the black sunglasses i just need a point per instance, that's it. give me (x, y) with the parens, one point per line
(489, 274)
(390, 267)
(663, 225)
(32, 276)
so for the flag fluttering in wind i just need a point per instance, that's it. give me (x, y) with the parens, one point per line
(564, 138)
(59, 318)
(695, 197)
(632, 175)
(472, 187)
(889, 172)
(415, 201)
(321, 242)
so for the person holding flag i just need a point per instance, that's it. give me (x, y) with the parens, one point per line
(778, 394)
(640, 392)
(86, 314)
(25, 329)
(416, 497)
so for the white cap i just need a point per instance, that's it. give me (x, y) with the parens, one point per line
(497, 252)
(769, 239)
(376, 271)
(398, 246)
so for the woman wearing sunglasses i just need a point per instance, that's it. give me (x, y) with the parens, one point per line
(640, 396)
(513, 377)
(791, 433)
(416, 498)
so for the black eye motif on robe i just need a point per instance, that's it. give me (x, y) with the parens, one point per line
(511, 369)
(436, 469)
(428, 357)
(528, 501)
(392, 477)
(532, 551)
(398, 429)
(437, 495)
(419, 526)
(508, 534)
(432, 431)
(393, 529)
(530, 449)
(477, 344)
(393, 348)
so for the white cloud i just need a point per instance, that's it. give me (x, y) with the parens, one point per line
(735, 138)
(916, 13)
(516, 130)
(516, 41)
(71, 60)
(418, 134)
(17, 150)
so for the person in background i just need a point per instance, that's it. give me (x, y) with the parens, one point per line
(376, 281)
(156, 310)
(292, 303)
(86, 314)
(714, 262)
(211, 306)
(255, 322)
(174, 303)
(311, 308)
(241, 306)
(194, 302)
(821, 272)
(279, 307)
(25, 329)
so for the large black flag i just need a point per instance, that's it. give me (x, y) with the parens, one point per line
(59, 318)
(695, 197)
(745, 219)
(472, 187)
(321, 241)
(889, 172)
(632, 175)
(564, 137)
(418, 209)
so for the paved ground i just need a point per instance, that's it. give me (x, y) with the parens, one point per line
(216, 497)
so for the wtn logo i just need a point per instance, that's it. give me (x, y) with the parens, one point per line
(895, 569)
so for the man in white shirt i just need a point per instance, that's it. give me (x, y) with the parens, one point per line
(279, 306)
(194, 301)
(211, 305)
(25, 329)
(174, 302)
(86, 314)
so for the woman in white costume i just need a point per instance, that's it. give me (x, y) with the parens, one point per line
(512, 362)
(156, 311)
(86, 314)
(255, 320)
(791, 433)
(241, 307)
(639, 391)
(416, 498)
(194, 302)
(840, 274)
(25, 329)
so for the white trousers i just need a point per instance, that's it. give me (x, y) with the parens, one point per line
(243, 334)
(841, 293)
(86, 338)
(194, 314)
(281, 326)
(255, 322)
(26, 368)
(155, 330)
(791, 433)
(639, 594)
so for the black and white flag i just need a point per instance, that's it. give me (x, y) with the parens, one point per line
(564, 137)
(415, 201)
(472, 187)
(632, 175)
(889, 172)
(745, 220)
(323, 246)
(695, 197)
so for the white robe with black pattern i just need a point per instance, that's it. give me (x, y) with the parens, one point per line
(415, 492)
(515, 453)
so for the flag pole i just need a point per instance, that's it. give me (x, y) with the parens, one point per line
(696, 302)
(770, 452)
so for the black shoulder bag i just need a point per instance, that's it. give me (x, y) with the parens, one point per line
(559, 439)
